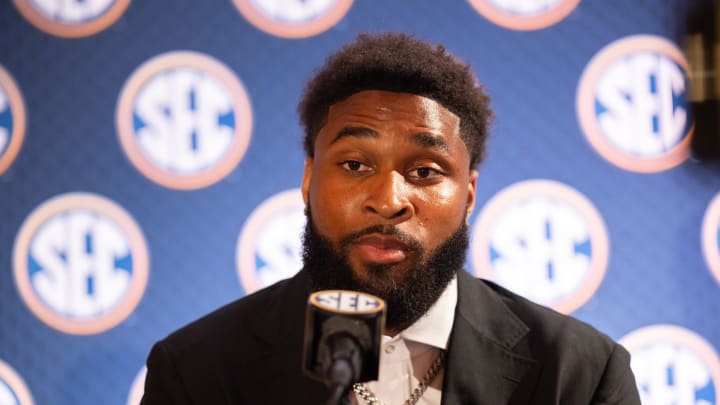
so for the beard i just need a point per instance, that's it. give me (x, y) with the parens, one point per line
(407, 299)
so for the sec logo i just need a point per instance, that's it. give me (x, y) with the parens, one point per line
(269, 248)
(184, 120)
(711, 237)
(72, 18)
(524, 14)
(13, 390)
(347, 301)
(137, 390)
(673, 365)
(293, 18)
(631, 104)
(12, 120)
(543, 240)
(80, 263)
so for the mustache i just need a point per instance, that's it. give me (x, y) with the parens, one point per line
(389, 230)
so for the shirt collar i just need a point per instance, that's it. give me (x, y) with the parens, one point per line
(434, 327)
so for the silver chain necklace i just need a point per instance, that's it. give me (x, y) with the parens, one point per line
(368, 396)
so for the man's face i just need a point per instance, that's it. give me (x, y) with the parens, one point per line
(389, 184)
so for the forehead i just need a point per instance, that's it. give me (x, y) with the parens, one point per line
(382, 107)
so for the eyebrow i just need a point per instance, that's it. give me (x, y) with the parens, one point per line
(427, 140)
(355, 132)
(423, 139)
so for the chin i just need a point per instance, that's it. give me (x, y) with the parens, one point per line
(382, 279)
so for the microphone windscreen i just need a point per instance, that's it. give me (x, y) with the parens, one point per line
(358, 315)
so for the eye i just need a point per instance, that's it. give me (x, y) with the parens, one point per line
(354, 166)
(424, 173)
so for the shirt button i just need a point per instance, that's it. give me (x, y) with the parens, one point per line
(389, 349)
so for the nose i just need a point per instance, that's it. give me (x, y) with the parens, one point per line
(388, 196)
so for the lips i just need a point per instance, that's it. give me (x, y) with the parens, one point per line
(381, 249)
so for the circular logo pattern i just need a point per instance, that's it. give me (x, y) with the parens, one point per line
(524, 15)
(293, 18)
(72, 19)
(80, 263)
(673, 365)
(184, 120)
(269, 248)
(13, 390)
(631, 104)
(138, 388)
(543, 240)
(711, 237)
(12, 120)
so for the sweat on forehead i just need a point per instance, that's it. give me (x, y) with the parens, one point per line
(399, 63)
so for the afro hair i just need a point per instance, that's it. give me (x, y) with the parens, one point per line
(400, 63)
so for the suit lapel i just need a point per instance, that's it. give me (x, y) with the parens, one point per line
(276, 361)
(483, 365)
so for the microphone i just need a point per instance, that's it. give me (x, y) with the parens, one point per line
(342, 339)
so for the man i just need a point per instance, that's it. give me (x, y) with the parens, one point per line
(394, 129)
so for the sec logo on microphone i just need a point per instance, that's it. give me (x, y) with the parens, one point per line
(711, 237)
(269, 247)
(13, 390)
(631, 104)
(524, 14)
(184, 120)
(293, 18)
(80, 263)
(673, 365)
(72, 19)
(12, 120)
(543, 240)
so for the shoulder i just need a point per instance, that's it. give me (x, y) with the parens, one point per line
(542, 333)
(190, 363)
(244, 319)
(572, 355)
(547, 327)
(233, 351)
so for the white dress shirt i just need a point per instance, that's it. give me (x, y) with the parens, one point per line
(406, 357)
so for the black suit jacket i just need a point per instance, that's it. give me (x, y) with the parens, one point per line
(503, 350)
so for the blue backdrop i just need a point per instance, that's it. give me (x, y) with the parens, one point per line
(150, 157)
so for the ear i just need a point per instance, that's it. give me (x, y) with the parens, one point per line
(472, 187)
(305, 188)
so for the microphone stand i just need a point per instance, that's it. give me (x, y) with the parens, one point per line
(341, 345)
(342, 368)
